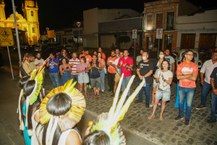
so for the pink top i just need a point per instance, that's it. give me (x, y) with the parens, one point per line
(187, 68)
(81, 67)
(123, 62)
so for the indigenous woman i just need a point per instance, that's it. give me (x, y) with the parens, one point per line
(60, 111)
(29, 101)
(106, 129)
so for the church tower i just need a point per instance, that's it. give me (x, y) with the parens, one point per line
(30, 10)
(2, 12)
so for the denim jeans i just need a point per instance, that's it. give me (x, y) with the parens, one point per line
(124, 84)
(65, 77)
(205, 90)
(147, 90)
(213, 106)
(188, 94)
(102, 79)
(54, 79)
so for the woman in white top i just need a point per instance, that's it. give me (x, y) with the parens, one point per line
(164, 78)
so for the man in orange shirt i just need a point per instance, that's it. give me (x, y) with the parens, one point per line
(111, 70)
(187, 72)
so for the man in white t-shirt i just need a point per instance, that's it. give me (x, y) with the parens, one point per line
(170, 59)
(206, 71)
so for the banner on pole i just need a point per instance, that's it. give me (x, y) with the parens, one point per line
(6, 37)
(159, 33)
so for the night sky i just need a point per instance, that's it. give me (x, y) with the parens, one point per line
(57, 14)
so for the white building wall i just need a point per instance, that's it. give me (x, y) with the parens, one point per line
(92, 18)
(199, 23)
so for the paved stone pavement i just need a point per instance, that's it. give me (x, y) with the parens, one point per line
(168, 131)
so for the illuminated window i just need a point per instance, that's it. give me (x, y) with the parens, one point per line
(33, 30)
(32, 13)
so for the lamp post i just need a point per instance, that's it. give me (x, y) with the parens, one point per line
(78, 24)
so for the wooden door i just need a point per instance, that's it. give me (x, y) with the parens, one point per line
(207, 41)
(187, 41)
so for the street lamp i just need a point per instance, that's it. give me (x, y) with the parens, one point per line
(78, 24)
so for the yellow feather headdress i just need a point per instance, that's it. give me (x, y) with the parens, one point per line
(73, 116)
(108, 122)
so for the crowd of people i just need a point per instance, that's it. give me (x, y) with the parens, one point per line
(51, 119)
(90, 71)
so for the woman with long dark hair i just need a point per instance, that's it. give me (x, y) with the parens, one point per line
(29, 102)
(64, 70)
(60, 111)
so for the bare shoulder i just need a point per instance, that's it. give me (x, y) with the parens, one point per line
(73, 138)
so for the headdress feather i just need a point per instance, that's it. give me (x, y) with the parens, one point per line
(108, 122)
(73, 116)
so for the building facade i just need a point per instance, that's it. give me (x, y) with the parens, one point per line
(91, 20)
(178, 24)
(28, 24)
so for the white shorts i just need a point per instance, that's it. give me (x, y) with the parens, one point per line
(83, 78)
(163, 94)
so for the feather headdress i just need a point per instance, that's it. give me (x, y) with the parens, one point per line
(37, 75)
(67, 120)
(109, 122)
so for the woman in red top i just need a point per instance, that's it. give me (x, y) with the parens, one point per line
(187, 72)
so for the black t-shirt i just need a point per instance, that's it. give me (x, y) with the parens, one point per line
(94, 72)
(144, 68)
(214, 76)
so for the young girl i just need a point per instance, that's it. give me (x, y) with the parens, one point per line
(164, 77)
(83, 78)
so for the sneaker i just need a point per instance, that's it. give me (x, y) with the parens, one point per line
(147, 105)
(179, 118)
(211, 121)
(186, 122)
(200, 107)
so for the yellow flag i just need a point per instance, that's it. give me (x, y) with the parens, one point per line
(6, 37)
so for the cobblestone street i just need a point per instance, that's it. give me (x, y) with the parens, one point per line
(168, 131)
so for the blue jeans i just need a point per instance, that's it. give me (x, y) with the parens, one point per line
(124, 84)
(102, 79)
(205, 90)
(65, 77)
(213, 106)
(147, 90)
(188, 94)
(54, 79)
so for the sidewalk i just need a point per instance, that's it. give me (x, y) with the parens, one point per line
(168, 131)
